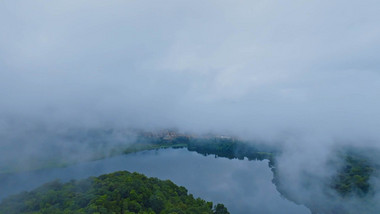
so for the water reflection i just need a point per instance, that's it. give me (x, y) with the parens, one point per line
(243, 186)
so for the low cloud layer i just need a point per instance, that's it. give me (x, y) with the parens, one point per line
(244, 66)
(259, 68)
(304, 74)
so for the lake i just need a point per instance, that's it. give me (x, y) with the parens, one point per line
(243, 186)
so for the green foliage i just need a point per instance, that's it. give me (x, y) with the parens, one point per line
(220, 209)
(353, 178)
(119, 192)
(231, 148)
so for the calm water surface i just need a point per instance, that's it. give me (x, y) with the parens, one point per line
(243, 186)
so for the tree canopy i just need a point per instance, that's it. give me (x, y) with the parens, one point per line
(116, 193)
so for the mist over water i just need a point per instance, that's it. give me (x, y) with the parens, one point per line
(243, 186)
(303, 76)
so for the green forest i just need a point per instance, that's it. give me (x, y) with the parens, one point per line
(353, 178)
(116, 193)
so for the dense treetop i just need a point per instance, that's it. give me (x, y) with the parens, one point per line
(116, 193)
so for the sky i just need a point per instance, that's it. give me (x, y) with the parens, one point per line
(301, 73)
(263, 69)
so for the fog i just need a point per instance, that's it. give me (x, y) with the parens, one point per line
(303, 75)
(258, 68)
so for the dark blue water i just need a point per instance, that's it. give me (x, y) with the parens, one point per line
(243, 186)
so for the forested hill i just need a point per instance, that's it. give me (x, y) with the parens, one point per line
(116, 193)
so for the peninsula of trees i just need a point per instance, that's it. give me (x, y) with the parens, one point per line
(116, 193)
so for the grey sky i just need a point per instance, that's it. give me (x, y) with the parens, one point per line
(258, 67)
(256, 63)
